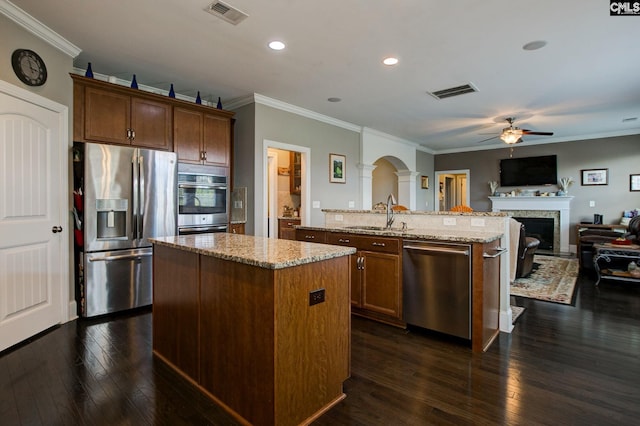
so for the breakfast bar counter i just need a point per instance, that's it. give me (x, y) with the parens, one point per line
(262, 326)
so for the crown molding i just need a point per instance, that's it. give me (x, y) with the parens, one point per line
(37, 28)
(397, 139)
(283, 106)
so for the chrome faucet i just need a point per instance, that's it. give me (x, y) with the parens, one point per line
(391, 201)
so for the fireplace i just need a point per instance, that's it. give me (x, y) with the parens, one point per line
(556, 209)
(541, 228)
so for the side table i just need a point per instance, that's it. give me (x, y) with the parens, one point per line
(610, 253)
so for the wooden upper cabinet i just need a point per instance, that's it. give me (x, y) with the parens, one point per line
(217, 140)
(187, 135)
(107, 113)
(107, 116)
(201, 138)
(151, 123)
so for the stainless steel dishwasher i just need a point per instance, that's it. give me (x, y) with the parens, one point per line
(437, 286)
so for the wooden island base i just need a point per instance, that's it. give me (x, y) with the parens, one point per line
(250, 337)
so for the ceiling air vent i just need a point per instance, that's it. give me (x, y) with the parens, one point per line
(226, 12)
(453, 91)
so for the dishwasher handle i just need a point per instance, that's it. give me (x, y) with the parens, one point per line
(463, 251)
(499, 251)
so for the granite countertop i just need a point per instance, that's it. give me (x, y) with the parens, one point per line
(268, 253)
(461, 236)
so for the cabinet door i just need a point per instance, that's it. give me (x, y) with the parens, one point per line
(216, 140)
(151, 122)
(187, 135)
(107, 116)
(295, 172)
(236, 228)
(381, 283)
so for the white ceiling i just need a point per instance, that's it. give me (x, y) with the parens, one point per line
(581, 85)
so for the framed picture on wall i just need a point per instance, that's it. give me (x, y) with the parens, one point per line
(595, 177)
(634, 182)
(424, 182)
(337, 168)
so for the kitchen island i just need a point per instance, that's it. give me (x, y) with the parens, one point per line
(262, 326)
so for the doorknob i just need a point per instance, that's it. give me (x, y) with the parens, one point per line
(56, 229)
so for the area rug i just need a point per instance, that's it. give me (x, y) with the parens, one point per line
(516, 311)
(553, 280)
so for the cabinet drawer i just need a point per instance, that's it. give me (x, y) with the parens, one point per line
(311, 236)
(365, 242)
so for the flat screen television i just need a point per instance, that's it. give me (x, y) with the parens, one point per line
(528, 171)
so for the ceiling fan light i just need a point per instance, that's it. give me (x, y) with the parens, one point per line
(510, 136)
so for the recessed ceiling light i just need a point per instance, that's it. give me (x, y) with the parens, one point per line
(334, 99)
(390, 61)
(276, 45)
(534, 45)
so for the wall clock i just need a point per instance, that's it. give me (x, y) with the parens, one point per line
(29, 67)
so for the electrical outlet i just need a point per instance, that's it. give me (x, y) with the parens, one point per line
(316, 204)
(339, 218)
(477, 222)
(449, 221)
(316, 296)
(352, 204)
(592, 203)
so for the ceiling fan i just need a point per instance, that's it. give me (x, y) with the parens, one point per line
(512, 135)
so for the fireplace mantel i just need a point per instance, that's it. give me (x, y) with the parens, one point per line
(559, 204)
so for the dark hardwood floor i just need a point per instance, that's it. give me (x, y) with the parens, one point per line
(562, 365)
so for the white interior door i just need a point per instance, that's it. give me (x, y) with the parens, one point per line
(33, 238)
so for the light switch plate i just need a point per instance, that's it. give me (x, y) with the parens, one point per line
(316, 204)
(449, 221)
(352, 204)
(592, 203)
(477, 222)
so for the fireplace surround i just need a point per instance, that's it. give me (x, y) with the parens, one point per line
(557, 208)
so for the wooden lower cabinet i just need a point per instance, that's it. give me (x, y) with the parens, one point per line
(286, 230)
(236, 228)
(376, 276)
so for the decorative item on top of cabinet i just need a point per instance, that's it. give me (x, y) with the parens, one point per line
(108, 113)
(202, 135)
(295, 175)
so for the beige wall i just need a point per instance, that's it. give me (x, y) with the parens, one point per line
(257, 123)
(621, 155)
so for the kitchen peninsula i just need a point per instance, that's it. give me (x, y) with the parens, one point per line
(262, 326)
(382, 268)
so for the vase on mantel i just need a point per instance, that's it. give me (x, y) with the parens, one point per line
(561, 193)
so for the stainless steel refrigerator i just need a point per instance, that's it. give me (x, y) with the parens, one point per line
(129, 196)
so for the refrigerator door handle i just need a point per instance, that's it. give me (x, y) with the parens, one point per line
(118, 257)
(134, 193)
(141, 196)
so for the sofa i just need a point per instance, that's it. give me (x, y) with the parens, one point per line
(590, 236)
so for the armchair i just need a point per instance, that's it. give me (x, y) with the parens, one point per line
(527, 247)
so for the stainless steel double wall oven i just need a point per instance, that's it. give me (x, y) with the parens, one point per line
(203, 201)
